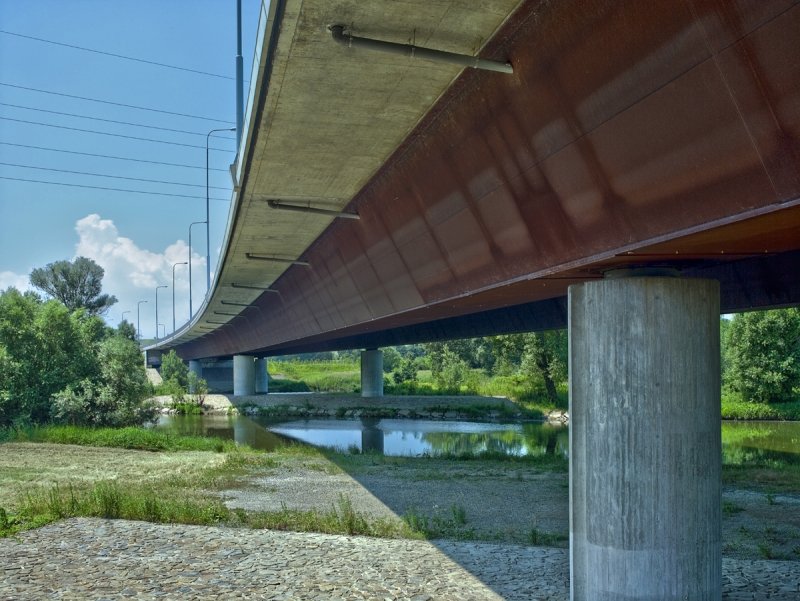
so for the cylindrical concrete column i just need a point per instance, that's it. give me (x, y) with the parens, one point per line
(645, 448)
(244, 375)
(196, 368)
(262, 377)
(371, 373)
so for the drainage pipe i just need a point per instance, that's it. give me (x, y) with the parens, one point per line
(303, 209)
(463, 60)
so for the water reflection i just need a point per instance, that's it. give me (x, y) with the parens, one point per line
(742, 442)
(749, 443)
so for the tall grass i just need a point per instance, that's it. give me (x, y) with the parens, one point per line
(108, 499)
(340, 376)
(144, 439)
(735, 408)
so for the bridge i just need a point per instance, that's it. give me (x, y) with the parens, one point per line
(629, 170)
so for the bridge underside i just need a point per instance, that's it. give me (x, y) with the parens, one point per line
(630, 134)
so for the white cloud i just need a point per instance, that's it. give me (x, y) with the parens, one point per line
(9, 279)
(132, 274)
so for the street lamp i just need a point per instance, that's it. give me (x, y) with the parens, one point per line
(157, 287)
(174, 265)
(123, 316)
(138, 327)
(191, 313)
(208, 229)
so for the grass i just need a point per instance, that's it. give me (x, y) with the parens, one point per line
(539, 538)
(142, 439)
(341, 376)
(735, 408)
(110, 500)
(452, 524)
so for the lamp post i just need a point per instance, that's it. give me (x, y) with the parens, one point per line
(193, 223)
(174, 265)
(123, 316)
(157, 287)
(208, 228)
(138, 327)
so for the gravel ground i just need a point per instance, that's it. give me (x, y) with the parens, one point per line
(501, 501)
(88, 558)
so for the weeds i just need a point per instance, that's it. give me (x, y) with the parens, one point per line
(143, 439)
(729, 508)
(539, 538)
(438, 526)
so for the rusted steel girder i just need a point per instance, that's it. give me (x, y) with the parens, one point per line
(631, 133)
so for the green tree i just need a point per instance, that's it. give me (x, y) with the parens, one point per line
(46, 348)
(77, 284)
(762, 354)
(545, 356)
(127, 330)
(390, 359)
(406, 370)
(173, 368)
(116, 397)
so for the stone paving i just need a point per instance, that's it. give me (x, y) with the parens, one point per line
(85, 558)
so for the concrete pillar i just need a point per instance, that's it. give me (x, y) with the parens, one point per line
(262, 377)
(645, 448)
(371, 373)
(244, 375)
(195, 367)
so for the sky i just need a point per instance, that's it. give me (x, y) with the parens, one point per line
(97, 206)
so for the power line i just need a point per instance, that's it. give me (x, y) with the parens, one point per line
(109, 156)
(37, 181)
(122, 56)
(134, 179)
(177, 131)
(105, 133)
(129, 106)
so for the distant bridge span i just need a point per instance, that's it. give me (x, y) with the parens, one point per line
(660, 137)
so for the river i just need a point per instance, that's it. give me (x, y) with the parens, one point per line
(742, 442)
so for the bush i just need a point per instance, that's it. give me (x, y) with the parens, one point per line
(117, 398)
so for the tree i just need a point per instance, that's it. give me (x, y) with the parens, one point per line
(77, 284)
(127, 330)
(763, 355)
(116, 397)
(173, 368)
(45, 348)
(545, 356)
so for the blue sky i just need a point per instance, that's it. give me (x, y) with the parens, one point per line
(136, 237)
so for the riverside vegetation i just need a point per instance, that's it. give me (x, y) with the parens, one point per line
(47, 474)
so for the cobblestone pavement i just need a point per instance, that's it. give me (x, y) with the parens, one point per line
(86, 558)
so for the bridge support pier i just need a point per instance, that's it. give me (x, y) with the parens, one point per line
(372, 373)
(262, 377)
(197, 368)
(645, 448)
(244, 375)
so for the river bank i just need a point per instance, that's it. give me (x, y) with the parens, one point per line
(320, 405)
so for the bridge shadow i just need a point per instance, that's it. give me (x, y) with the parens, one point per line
(503, 520)
(478, 512)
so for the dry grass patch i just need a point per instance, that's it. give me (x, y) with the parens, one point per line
(24, 466)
